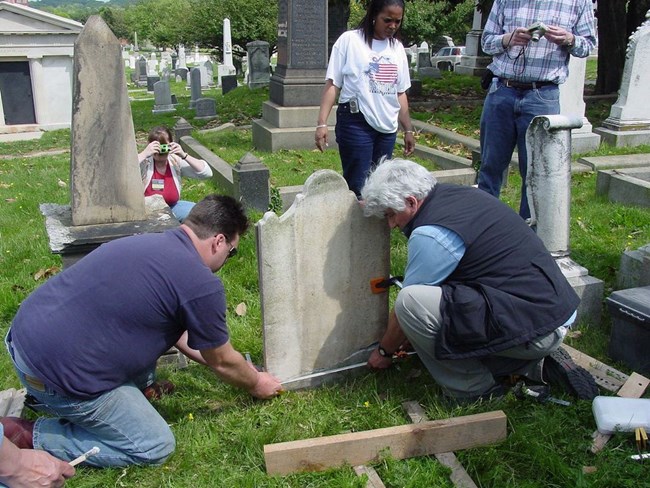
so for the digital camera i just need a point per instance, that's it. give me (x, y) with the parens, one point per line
(537, 30)
(164, 148)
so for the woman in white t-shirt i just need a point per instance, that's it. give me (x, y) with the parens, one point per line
(369, 67)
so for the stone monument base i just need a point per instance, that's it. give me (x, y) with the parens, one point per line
(73, 242)
(473, 65)
(163, 109)
(289, 127)
(589, 289)
(623, 138)
(583, 142)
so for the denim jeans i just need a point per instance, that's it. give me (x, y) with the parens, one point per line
(507, 113)
(360, 146)
(121, 422)
(181, 209)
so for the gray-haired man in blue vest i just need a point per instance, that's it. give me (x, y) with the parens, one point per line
(482, 299)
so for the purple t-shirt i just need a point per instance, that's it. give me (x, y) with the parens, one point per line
(108, 318)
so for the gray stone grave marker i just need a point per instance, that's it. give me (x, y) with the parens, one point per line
(207, 74)
(105, 181)
(151, 80)
(181, 74)
(195, 85)
(259, 73)
(182, 129)
(228, 83)
(297, 80)
(163, 98)
(250, 181)
(315, 266)
(142, 71)
(206, 108)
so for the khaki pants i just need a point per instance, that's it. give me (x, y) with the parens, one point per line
(418, 312)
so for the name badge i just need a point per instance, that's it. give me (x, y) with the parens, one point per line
(157, 184)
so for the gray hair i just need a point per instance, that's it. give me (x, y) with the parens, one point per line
(392, 181)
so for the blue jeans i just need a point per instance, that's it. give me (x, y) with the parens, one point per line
(121, 422)
(181, 209)
(360, 146)
(507, 113)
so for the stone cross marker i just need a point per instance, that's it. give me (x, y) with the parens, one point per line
(315, 266)
(105, 181)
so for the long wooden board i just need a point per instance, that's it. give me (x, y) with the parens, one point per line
(399, 442)
(374, 481)
(12, 402)
(606, 377)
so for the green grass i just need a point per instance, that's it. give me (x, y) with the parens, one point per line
(221, 431)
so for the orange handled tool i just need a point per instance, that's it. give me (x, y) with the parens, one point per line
(381, 285)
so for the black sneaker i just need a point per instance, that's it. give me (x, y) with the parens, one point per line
(497, 392)
(561, 371)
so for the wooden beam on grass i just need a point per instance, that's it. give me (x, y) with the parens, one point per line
(459, 477)
(606, 377)
(399, 442)
(374, 481)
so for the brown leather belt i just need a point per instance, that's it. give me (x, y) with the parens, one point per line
(524, 86)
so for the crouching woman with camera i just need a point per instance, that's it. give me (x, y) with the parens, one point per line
(162, 164)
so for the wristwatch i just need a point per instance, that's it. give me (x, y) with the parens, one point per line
(384, 353)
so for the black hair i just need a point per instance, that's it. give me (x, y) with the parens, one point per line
(367, 24)
(217, 214)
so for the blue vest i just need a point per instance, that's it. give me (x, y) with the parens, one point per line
(507, 288)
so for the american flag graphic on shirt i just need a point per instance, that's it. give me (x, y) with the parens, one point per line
(382, 75)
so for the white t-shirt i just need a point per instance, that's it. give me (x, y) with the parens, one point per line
(373, 76)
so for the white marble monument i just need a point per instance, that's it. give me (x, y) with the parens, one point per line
(628, 123)
(227, 68)
(572, 104)
(315, 265)
(548, 181)
(36, 50)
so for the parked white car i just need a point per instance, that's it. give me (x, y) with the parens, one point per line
(447, 58)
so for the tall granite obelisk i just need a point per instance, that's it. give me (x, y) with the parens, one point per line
(289, 117)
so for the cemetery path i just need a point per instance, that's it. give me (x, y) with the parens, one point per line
(37, 154)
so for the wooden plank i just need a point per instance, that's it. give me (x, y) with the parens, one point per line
(374, 481)
(634, 387)
(459, 477)
(606, 377)
(12, 402)
(399, 442)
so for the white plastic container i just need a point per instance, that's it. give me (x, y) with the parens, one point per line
(617, 414)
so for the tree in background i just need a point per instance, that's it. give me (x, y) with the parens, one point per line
(617, 20)
(165, 23)
(250, 20)
(426, 20)
(115, 19)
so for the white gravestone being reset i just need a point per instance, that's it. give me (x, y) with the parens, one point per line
(315, 266)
